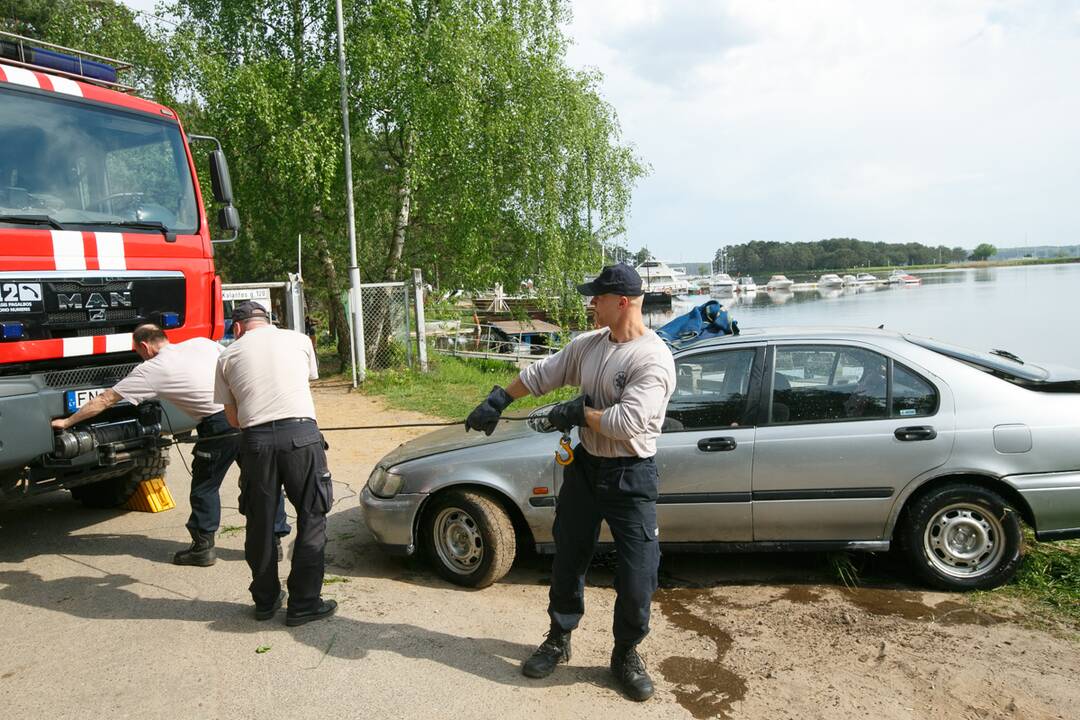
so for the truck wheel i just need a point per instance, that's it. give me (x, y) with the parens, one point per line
(962, 537)
(469, 538)
(116, 491)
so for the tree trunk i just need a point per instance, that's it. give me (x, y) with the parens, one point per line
(339, 323)
(401, 222)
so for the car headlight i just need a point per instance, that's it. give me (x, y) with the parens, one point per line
(384, 483)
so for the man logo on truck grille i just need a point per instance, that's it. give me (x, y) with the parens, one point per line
(94, 301)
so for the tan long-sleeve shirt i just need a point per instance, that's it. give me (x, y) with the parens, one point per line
(631, 382)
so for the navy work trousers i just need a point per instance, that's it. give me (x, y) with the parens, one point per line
(285, 454)
(214, 453)
(623, 492)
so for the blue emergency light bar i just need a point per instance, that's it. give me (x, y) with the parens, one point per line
(74, 63)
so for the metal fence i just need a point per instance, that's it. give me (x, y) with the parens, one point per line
(388, 325)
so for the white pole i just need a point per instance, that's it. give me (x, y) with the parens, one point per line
(360, 366)
(299, 255)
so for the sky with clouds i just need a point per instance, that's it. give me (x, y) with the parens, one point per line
(938, 121)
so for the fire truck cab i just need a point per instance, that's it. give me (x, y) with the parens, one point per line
(102, 228)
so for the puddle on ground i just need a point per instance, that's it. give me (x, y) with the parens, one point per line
(910, 606)
(705, 688)
(800, 594)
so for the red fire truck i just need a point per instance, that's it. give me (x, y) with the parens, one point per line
(102, 228)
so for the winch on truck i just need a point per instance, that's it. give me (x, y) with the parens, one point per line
(102, 228)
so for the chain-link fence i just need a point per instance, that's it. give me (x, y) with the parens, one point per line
(388, 325)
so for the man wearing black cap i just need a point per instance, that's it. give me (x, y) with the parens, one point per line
(262, 380)
(627, 376)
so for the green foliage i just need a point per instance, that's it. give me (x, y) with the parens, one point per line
(983, 251)
(478, 154)
(1051, 574)
(835, 254)
(452, 388)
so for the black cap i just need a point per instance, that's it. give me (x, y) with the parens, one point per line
(247, 310)
(618, 279)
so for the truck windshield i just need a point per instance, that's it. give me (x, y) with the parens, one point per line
(76, 164)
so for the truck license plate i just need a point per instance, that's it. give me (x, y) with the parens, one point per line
(75, 399)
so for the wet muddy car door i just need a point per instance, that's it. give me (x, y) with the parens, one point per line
(705, 454)
(848, 427)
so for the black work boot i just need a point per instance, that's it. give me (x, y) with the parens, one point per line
(554, 650)
(630, 673)
(201, 553)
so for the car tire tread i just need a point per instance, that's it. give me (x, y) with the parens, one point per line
(922, 510)
(496, 528)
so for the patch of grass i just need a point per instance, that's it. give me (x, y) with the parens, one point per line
(334, 580)
(1050, 576)
(843, 567)
(262, 649)
(227, 530)
(452, 387)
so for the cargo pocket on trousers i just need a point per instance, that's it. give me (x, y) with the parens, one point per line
(323, 497)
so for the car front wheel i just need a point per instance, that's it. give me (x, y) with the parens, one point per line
(962, 537)
(469, 537)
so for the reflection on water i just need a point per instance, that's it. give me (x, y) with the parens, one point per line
(1027, 310)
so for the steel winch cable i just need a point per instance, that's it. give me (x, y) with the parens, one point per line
(391, 426)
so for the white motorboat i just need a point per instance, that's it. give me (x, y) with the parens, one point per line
(830, 280)
(745, 284)
(899, 277)
(657, 277)
(721, 284)
(866, 278)
(779, 282)
(850, 281)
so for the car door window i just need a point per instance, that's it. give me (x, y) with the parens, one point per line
(711, 391)
(824, 383)
(912, 395)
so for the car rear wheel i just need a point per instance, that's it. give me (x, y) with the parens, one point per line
(962, 537)
(469, 537)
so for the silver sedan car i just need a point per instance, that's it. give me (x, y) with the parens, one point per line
(784, 439)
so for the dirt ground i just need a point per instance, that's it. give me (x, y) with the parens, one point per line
(98, 623)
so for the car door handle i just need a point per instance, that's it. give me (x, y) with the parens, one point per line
(716, 444)
(915, 432)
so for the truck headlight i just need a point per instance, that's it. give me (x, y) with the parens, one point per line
(384, 483)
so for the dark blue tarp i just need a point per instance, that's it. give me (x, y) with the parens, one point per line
(709, 320)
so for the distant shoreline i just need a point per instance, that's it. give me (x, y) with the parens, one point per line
(886, 269)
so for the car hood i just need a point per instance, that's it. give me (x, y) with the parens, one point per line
(455, 437)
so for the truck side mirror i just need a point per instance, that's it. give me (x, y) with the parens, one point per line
(219, 178)
(229, 219)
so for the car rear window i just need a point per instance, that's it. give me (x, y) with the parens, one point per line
(1006, 366)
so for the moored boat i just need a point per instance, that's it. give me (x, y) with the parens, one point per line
(830, 280)
(779, 282)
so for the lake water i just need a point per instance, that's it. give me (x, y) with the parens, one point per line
(1031, 311)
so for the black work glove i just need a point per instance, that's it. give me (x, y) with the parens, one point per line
(569, 414)
(486, 415)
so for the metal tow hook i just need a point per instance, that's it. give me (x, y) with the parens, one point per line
(564, 455)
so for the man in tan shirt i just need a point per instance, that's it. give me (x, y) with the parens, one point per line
(627, 376)
(183, 373)
(262, 381)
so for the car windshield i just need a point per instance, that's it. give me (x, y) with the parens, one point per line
(68, 163)
(999, 362)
